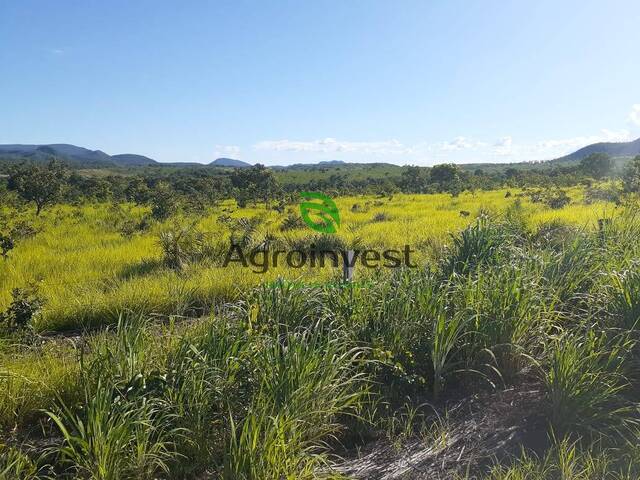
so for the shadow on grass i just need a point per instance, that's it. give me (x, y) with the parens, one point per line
(144, 267)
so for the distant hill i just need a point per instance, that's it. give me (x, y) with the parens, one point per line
(125, 159)
(621, 153)
(81, 157)
(331, 164)
(622, 149)
(71, 154)
(77, 156)
(230, 162)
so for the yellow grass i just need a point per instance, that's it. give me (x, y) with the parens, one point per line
(88, 272)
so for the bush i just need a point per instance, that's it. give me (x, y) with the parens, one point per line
(182, 245)
(163, 202)
(291, 222)
(6, 245)
(381, 217)
(554, 234)
(130, 227)
(244, 230)
(557, 200)
(23, 229)
(604, 194)
(24, 306)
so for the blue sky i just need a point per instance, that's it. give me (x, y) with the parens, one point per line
(277, 82)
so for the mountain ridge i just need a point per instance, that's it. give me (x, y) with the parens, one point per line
(86, 158)
(613, 149)
(72, 154)
(229, 162)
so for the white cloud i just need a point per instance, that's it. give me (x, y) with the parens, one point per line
(458, 143)
(227, 151)
(579, 142)
(504, 146)
(460, 149)
(634, 115)
(331, 145)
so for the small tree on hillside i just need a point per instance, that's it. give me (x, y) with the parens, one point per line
(138, 191)
(42, 185)
(448, 178)
(254, 184)
(632, 176)
(597, 165)
(163, 201)
(414, 179)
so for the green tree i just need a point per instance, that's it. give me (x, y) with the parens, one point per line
(138, 191)
(414, 179)
(596, 165)
(163, 201)
(39, 184)
(255, 184)
(632, 176)
(447, 177)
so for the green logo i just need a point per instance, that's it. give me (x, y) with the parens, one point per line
(326, 210)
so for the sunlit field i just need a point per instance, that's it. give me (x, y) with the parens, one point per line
(89, 267)
(136, 354)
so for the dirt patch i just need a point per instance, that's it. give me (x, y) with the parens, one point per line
(480, 430)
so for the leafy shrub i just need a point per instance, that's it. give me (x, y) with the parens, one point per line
(244, 230)
(321, 243)
(554, 234)
(163, 202)
(604, 194)
(358, 208)
(381, 217)
(25, 305)
(291, 222)
(182, 245)
(557, 200)
(23, 229)
(130, 227)
(6, 245)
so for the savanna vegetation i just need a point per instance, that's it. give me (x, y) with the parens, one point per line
(129, 351)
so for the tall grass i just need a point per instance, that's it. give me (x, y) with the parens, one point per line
(229, 374)
(304, 383)
(585, 383)
(113, 438)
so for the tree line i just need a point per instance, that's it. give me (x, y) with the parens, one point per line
(195, 189)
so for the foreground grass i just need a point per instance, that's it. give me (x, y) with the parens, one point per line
(267, 387)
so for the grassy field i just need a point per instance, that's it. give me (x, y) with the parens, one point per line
(88, 267)
(212, 372)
